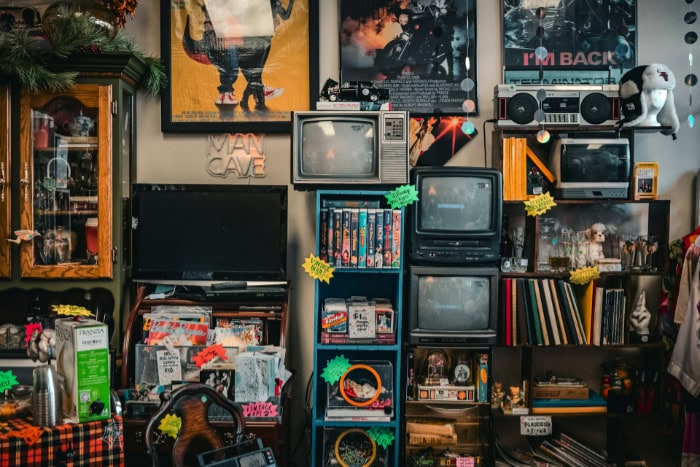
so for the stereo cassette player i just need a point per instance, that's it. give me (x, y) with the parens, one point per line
(564, 105)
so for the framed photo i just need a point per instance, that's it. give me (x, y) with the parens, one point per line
(237, 67)
(422, 52)
(646, 176)
(579, 41)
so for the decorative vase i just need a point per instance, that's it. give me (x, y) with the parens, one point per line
(101, 16)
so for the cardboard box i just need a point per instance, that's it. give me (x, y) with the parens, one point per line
(82, 346)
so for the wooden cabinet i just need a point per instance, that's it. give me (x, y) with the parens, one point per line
(273, 431)
(65, 170)
(362, 345)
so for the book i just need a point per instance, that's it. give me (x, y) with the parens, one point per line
(514, 313)
(575, 313)
(507, 332)
(345, 249)
(597, 315)
(534, 313)
(566, 313)
(584, 297)
(362, 239)
(524, 329)
(388, 232)
(551, 313)
(540, 311)
(594, 400)
(330, 237)
(338, 235)
(396, 238)
(323, 234)
(558, 311)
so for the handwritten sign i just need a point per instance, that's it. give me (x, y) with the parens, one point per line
(464, 462)
(402, 196)
(7, 380)
(29, 330)
(259, 409)
(384, 437)
(168, 366)
(335, 369)
(170, 425)
(582, 276)
(318, 269)
(71, 310)
(539, 204)
(536, 425)
(208, 354)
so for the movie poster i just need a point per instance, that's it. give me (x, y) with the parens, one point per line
(416, 49)
(568, 41)
(435, 139)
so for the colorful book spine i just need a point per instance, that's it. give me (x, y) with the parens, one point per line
(345, 256)
(379, 240)
(323, 235)
(338, 236)
(396, 238)
(387, 238)
(330, 236)
(371, 236)
(362, 239)
(354, 236)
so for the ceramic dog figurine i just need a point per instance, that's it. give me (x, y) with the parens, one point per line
(595, 236)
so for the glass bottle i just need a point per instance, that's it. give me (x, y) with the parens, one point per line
(546, 242)
(506, 245)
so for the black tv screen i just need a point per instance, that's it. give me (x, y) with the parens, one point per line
(456, 203)
(209, 232)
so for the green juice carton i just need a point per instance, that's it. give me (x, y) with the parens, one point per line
(82, 348)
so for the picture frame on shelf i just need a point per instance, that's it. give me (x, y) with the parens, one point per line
(425, 55)
(646, 176)
(268, 62)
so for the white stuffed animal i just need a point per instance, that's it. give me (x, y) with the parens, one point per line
(595, 236)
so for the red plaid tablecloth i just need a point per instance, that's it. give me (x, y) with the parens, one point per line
(99, 443)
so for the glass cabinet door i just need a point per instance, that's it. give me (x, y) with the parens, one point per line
(66, 183)
(5, 198)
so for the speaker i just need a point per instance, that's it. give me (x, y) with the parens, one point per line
(563, 105)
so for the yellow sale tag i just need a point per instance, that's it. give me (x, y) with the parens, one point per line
(539, 204)
(318, 269)
(71, 310)
(170, 425)
(582, 276)
(402, 196)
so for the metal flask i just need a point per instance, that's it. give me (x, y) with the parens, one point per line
(46, 397)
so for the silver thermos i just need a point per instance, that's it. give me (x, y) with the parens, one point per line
(46, 397)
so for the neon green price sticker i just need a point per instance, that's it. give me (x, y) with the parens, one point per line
(335, 369)
(384, 437)
(170, 425)
(582, 276)
(318, 269)
(539, 204)
(7, 380)
(402, 196)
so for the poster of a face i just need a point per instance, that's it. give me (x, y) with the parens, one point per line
(421, 51)
(570, 41)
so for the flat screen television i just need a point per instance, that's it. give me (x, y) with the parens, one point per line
(457, 218)
(452, 305)
(363, 148)
(204, 233)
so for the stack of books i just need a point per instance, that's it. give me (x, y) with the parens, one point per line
(593, 403)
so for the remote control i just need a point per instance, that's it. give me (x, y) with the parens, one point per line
(229, 285)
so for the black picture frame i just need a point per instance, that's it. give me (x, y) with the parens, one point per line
(422, 63)
(188, 67)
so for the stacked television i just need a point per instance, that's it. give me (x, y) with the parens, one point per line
(453, 232)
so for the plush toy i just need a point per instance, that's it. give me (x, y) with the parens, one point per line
(647, 98)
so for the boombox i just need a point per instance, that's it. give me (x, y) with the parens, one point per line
(566, 105)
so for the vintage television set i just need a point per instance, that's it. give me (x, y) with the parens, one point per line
(193, 234)
(452, 305)
(457, 218)
(358, 148)
(591, 168)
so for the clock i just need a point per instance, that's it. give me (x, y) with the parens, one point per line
(461, 373)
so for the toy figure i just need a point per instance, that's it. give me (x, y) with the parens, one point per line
(515, 399)
(596, 237)
(497, 396)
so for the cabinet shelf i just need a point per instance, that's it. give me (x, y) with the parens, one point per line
(358, 347)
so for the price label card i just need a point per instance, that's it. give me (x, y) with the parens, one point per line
(465, 462)
(540, 425)
(168, 366)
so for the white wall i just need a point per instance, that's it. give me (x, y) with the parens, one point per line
(180, 157)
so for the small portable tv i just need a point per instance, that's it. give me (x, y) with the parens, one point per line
(204, 233)
(358, 148)
(590, 168)
(457, 218)
(452, 305)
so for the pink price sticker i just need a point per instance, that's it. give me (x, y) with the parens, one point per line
(465, 462)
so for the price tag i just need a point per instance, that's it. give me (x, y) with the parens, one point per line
(540, 425)
(168, 367)
(464, 462)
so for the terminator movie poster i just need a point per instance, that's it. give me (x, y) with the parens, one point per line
(232, 61)
(568, 41)
(422, 51)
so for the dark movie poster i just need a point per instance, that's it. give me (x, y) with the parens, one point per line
(435, 139)
(568, 41)
(416, 49)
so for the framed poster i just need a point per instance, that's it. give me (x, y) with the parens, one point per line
(423, 52)
(435, 139)
(568, 41)
(237, 67)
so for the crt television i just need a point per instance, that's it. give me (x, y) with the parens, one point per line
(452, 305)
(457, 218)
(357, 148)
(591, 168)
(205, 233)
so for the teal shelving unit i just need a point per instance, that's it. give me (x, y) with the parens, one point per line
(337, 437)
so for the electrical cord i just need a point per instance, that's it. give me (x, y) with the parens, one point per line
(490, 120)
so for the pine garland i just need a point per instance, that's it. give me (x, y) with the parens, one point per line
(25, 57)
